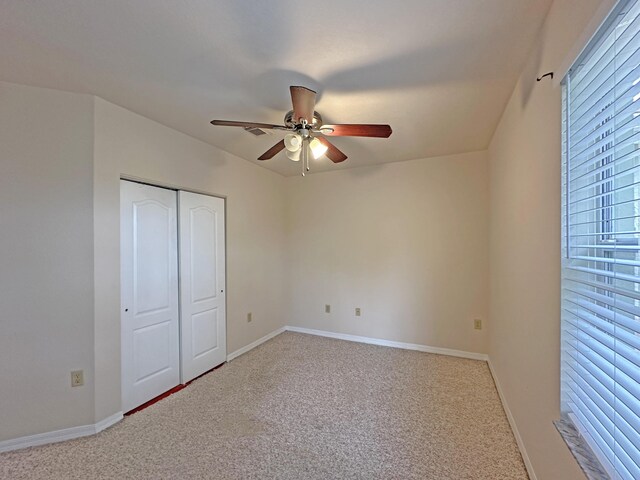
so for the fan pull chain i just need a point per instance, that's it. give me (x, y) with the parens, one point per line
(305, 156)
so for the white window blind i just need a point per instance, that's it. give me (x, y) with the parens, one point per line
(601, 243)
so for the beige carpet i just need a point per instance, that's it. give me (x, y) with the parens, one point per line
(304, 407)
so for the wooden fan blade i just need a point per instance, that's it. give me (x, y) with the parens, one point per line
(232, 123)
(277, 148)
(334, 154)
(357, 130)
(304, 101)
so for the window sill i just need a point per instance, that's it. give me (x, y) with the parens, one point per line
(581, 451)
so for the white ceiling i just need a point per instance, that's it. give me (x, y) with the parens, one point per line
(438, 71)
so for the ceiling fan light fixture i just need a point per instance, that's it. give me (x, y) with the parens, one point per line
(294, 155)
(293, 142)
(317, 148)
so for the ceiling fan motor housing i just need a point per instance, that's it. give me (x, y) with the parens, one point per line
(289, 121)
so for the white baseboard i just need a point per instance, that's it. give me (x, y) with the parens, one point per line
(253, 345)
(59, 435)
(512, 423)
(389, 343)
(107, 422)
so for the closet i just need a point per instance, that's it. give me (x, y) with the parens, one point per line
(173, 319)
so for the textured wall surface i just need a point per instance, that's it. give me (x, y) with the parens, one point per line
(406, 242)
(46, 259)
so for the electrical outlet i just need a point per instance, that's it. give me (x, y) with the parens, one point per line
(327, 309)
(477, 324)
(77, 378)
(249, 317)
(357, 311)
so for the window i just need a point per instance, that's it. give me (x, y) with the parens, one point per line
(601, 243)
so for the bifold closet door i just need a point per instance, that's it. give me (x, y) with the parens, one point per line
(149, 282)
(202, 283)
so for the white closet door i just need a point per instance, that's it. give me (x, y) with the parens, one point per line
(202, 284)
(149, 281)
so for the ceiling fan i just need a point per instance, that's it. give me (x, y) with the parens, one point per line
(307, 133)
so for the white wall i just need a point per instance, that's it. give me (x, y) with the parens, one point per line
(406, 242)
(524, 159)
(129, 144)
(46, 259)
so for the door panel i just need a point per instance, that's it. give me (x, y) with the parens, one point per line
(152, 350)
(202, 280)
(151, 257)
(202, 237)
(149, 282)
(204, 335)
